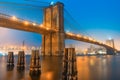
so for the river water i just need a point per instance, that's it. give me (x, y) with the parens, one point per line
(89, 68)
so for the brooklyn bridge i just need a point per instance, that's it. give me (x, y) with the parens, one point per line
(56, 27)
(51, 29)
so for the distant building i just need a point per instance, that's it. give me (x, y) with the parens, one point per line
(110, 42)
(96, 50)
(91, 50)
(101, 50)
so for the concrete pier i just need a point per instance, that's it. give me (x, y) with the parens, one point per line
(35, 67)
(69, 65)
(21, 60)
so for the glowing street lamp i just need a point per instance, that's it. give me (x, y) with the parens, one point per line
(41, 25)
(52, 3)
(14, 18)
(34, 24)
(94, 40)
(90, 38)
(26, 22)
(70, 33)
(48, 28)
(78, 35)
(85, 37)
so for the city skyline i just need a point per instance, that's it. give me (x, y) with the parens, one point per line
(98, 19)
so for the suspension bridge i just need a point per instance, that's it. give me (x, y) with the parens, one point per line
(52, 29)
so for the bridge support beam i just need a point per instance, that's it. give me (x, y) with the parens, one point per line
(53, 43)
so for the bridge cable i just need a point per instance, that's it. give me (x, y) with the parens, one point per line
(74, 21)
(21, 4)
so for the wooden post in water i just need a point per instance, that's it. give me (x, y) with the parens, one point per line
(21, 60)
(35, 67)
(69, 65)
(65, 64)
(10, 61)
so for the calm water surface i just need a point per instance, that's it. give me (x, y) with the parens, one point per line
(89, 68)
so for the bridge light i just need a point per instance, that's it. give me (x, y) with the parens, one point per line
(26, 22)
(67, 32)
(103, 43)
(78, 35)
(99, 42)
(41, 25)
(109, 38)
(48, 28)
(14, 18)
(52, 3)
(34, 24)
(94, 40)
(90, 38)
(85, 37)
(70, 33)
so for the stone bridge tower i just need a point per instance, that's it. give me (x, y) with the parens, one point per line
(53, 43)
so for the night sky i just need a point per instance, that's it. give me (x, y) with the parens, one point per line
(97, 18)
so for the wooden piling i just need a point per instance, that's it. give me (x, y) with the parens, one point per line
(21, 60)
(35, 67)
(10, 59)
(69, 65)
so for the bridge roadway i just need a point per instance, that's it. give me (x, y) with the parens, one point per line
(20, 24)
(85, 39)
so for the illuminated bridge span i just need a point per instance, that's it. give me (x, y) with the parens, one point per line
(20, 24)
(52, 30)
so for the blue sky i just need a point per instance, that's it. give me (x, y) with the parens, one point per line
(97, 18)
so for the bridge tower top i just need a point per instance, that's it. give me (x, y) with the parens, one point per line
(54, 17)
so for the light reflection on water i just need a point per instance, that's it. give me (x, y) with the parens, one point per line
(98, 67)
(89, 68)
(51, 69)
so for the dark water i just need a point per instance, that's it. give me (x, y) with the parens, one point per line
(89, 68)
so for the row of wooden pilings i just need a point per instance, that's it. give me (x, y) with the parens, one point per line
(35, 67)
(69, 70)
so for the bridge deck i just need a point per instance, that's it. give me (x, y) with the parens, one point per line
(85, 39)
(8, 22)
